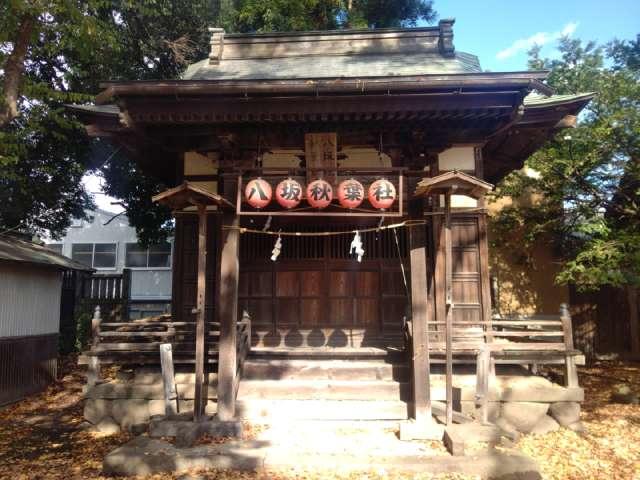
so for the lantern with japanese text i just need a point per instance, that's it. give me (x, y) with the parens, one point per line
(350, 193)
(382, 194)
(258, 193)
(289, 193)
(319, 193)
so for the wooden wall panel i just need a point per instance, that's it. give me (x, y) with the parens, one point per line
(312, 283)
(287, 284)
(185, 267)
(316, 284)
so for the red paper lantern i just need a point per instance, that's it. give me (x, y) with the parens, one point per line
(319, 194)
(382, 194)
(289, 193)
(258, 193)
(350, 193)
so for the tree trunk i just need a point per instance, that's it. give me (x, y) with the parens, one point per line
(14, 69)
(634, 321)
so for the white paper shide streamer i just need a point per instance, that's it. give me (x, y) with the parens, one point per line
(277, 248)
(356, 246)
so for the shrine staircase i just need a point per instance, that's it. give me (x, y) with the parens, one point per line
(324, 384)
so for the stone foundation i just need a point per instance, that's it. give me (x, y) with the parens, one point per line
(517, 403)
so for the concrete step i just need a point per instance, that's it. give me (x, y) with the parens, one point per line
(354, 370)
(268, 410)
(313, 353)
(323, 390)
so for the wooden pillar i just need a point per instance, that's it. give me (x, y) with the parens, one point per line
(199, 400)
(449, 306)
(93, 370)
(570, 370)
(228, 315)
(419, 315)
(168, 380)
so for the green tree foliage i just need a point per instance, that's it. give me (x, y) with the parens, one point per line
(588, 179)
(54, 52)
(285, 15)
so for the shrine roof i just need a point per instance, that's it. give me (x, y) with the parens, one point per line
(335, 53)
(331, 66)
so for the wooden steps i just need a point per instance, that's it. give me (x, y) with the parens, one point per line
(333, 384)
(261, 368)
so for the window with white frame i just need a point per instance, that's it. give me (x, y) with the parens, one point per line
(156, 256)
(96, 255)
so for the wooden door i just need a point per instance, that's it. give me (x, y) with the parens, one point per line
(316, 286)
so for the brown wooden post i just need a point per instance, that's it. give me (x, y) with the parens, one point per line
(570, 372)
(126, 293)
(93, 368)
(199, 401)
(168, 380)
(419, 315)
(634, 318)
(482, 382)
(228, 315)
(449, 306)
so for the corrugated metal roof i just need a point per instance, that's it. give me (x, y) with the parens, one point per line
(334, 66)
(15, 250)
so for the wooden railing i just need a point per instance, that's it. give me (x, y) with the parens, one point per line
(107, 287)
(138, 341)
(528, 340)
(243, 347)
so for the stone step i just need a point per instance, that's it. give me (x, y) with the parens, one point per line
(313, 353)
(323, 389)
(268, 410)
(354, 370)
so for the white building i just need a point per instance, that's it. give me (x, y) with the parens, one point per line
(108, 244)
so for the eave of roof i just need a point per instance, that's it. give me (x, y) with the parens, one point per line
(531, 102)
(336, 85)
(535, 100)
(19, 251)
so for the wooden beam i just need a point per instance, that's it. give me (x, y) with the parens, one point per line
(485, 281)
(228, 315)
(419, 315)
(449, 305)
(199, 403)
(570, 372)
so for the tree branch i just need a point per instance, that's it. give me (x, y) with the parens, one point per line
(14, 69)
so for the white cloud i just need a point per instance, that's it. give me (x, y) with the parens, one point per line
(540, 38)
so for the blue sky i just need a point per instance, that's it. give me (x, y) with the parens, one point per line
(499, 32)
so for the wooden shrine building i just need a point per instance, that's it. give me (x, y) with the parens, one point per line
(348, 281)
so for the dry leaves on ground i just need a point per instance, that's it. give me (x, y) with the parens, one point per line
(611, 447)
(43, 438)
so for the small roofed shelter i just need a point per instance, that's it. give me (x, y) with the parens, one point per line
(338, 129)
(31, 279)
(178, 198)
(460, 183)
